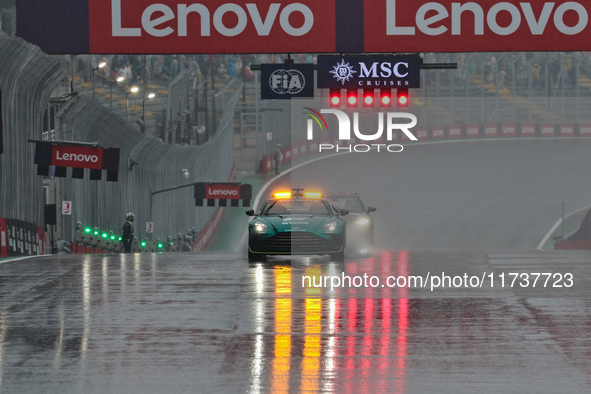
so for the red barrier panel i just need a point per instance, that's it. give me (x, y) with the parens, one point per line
(584, 244)
(491, 130)
(206, 235)
(303, 148)
(422, 134)
(508, 130)
(437, 133)
(3, 239)
(567, 130)
(528, 130)
(287, 154)
(455, 131)
(548, 130)
(404, 137)
(313, 147)
(41, 236)
(267, 164)
(585, 130)
(472, 130)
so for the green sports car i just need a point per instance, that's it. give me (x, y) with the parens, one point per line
(296, 224)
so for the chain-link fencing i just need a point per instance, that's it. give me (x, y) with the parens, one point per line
(147, 165)
(27, 79)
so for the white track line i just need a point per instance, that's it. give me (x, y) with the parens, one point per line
(23, 258)
(549, 234)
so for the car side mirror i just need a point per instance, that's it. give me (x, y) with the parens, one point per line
(250, 212)
(343, 212)
(371, 209)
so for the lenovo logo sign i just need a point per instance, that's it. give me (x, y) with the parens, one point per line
(305, 26)
(500, 18)
(158, 19)
(485, 25)
(77, 157)
(231, 192)
(209, 26)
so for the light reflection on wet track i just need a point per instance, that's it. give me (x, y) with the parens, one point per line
(214, 323)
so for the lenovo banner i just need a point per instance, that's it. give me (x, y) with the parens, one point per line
(304, 26)
(222, 192)
(178, 26)
(483, 26)
(77, 157)
(229, 192)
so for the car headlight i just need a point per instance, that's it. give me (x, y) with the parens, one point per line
(330, 227)
(260, 227)
(362, 221)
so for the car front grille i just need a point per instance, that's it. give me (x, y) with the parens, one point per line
(296, 242)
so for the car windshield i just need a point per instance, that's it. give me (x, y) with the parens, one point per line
(349, 203)
(297, 207)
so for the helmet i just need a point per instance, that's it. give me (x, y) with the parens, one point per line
(188, 238)
(129, 217)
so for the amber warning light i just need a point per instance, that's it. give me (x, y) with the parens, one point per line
(280, 195)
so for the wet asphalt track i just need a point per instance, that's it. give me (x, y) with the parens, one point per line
(213, 323)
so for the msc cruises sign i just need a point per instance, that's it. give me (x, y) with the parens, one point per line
(354, 72)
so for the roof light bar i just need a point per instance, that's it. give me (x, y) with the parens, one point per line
(279, 195)
(313, 194)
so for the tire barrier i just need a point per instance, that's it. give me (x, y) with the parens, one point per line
(441, 133)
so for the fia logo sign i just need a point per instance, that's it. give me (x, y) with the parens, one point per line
(284, 81)
(287, 81)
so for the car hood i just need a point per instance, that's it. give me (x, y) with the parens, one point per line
(299, 223)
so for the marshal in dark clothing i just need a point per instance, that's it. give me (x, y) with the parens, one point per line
(127, 236)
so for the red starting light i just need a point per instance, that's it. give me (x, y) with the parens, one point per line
(385, 97)
(402, 97)
(352, 97)
(368, 97)
(335, 97)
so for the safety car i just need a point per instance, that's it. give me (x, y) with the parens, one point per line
(296, 223)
